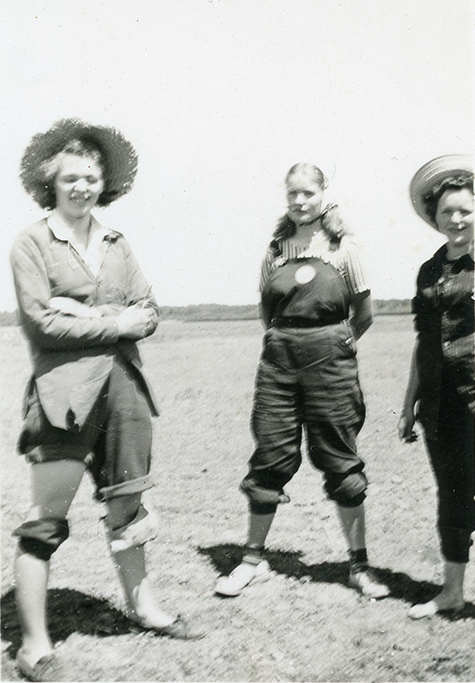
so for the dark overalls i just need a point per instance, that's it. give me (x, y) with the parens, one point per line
(307, 377)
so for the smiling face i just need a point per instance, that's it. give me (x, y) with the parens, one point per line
(305, 198)
(78, 185)
(454, 218)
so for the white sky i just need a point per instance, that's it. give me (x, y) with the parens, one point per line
(220, 98)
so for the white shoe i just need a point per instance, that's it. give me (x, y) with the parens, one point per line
(243, 576)
(366, 583)
(429, 609)
(423, 610)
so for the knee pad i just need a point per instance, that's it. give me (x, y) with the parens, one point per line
(347, 489)
(262, 500)
(142, 528)
(42, 537)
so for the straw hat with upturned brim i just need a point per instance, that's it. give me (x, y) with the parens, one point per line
(118, 156)
(432, 175)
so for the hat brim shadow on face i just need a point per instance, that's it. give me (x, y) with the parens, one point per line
(119, 157)
(434, 173)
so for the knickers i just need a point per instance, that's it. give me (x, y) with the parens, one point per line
(307, 378)
(115, 443)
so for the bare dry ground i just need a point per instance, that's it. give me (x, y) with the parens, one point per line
(305, 624)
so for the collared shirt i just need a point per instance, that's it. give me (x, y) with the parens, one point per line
(345, 259)
(93, 254)
(444, 320)
(72, 356)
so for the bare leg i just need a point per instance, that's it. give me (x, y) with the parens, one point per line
(259, 526)
(353, 525)
(31, 578)
(361, 577)
(451, 596)
(130, 565)
(54, 485)
(253, 567)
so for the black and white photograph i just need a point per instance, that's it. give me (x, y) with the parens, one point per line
(237, 386)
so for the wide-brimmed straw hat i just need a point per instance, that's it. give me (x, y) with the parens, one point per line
(432, 175)
(119, 157)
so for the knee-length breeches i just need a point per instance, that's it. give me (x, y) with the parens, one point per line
(115, 443)
(308, 378)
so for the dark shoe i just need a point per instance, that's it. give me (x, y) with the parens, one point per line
(367, 584)
(47, 668)
(180, 628)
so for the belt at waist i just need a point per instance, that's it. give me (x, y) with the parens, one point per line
(303, 322)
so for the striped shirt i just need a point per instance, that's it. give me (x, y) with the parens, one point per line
(345, 258)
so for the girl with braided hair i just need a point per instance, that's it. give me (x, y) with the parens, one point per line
(315, 304)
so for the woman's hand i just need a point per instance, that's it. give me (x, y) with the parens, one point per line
(136, 322)
(405, 426)
(406, 422)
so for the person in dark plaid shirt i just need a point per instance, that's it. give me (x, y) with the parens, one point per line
(441, 382)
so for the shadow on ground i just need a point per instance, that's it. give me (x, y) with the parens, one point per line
(226, 556)
(69, 611)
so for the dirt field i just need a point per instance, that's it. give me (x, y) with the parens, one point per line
(305, 624)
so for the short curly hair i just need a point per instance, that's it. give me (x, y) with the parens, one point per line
(115, 155)
(459, 182)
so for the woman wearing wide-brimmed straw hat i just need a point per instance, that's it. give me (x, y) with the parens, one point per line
(83, 303)
(315, 303)
(441, 381)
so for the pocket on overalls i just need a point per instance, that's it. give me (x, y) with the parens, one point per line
(274, 350)
(345, 342)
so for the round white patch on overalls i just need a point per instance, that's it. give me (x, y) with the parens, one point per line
(305, 274)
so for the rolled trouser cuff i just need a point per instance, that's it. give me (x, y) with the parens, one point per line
(262, 508)
(347, 489)
(42, 537)
(126, 488)
(143, 528)
(262, 500)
